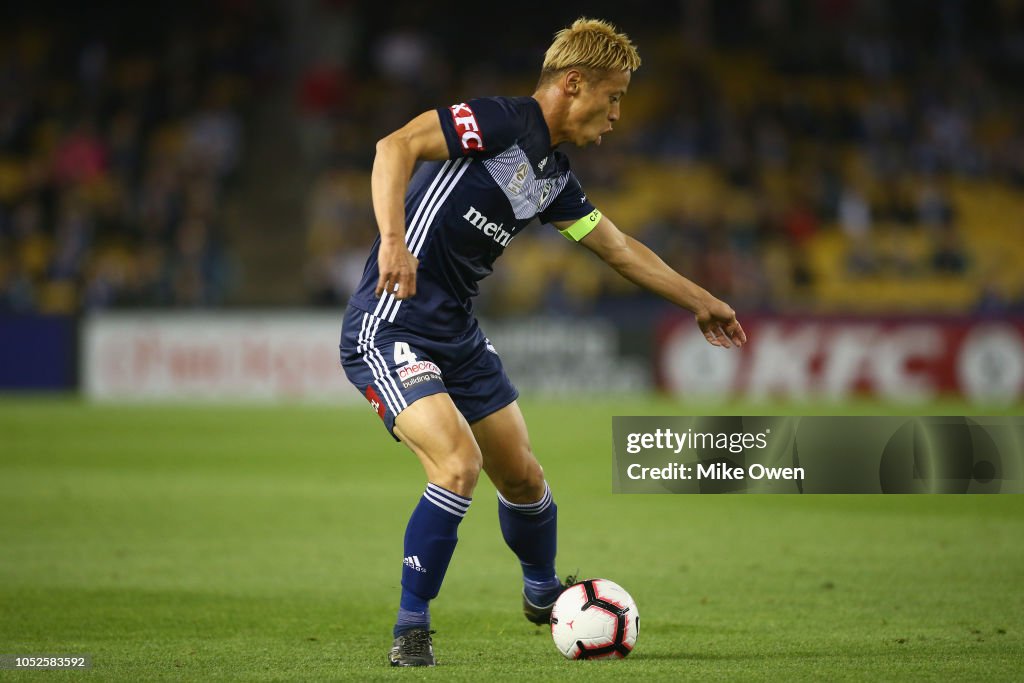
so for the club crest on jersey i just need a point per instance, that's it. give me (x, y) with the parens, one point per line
(545, 191)
(466, 127)
(515, 186)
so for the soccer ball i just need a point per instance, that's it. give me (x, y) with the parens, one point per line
(595, 619)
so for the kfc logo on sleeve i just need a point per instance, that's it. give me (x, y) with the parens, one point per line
(466, 127)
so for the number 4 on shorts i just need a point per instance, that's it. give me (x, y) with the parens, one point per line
(403, 354)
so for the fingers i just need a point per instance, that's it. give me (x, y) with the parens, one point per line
(406, 285)
(397, 274)
(725, 336)
(714, 334)
(403, 285)
(721, 337)
(737, 334)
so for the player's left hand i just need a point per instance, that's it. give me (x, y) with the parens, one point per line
(718, 323)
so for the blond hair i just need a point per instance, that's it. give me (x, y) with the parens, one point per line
(590, 44)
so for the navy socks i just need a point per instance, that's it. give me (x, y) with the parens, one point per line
(531, 531)
(430, 539)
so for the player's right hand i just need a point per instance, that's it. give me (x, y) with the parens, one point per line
(397, 267)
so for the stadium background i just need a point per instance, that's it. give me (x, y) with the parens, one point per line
(184, 209)
(800, 159)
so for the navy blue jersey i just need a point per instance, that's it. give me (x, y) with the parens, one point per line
(462, 213)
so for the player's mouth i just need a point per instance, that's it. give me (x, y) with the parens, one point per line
(603, 133)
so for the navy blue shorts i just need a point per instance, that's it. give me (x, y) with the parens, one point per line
(392, 366)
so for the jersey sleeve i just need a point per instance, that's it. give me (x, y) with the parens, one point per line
(571, 204)
(483, 126)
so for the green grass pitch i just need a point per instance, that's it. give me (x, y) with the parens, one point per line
(264, 543)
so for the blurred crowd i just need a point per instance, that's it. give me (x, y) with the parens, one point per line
(828, 155)
(122, 131)
(823, 155)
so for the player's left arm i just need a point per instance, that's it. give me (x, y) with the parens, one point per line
(638, 264)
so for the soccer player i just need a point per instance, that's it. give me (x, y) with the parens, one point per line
(410, 342)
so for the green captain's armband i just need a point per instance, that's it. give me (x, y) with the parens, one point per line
(582, 227)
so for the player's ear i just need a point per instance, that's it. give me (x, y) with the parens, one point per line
(572, 81)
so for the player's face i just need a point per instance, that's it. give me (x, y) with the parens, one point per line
(596, 106)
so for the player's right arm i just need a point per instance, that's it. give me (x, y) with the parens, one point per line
(419, 140)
